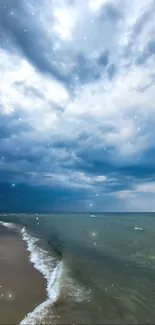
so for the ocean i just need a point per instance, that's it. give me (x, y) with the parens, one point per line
(99, 268)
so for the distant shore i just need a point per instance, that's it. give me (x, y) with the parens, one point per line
(22, 287)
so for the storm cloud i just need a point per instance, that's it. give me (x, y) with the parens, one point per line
(77, 112)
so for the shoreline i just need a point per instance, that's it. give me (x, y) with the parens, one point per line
(22, 287)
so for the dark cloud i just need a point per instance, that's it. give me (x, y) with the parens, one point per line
(77, 112)
(24, 31)
(111, 13)
(145, 55)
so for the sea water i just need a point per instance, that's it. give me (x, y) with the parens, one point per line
(98, 270)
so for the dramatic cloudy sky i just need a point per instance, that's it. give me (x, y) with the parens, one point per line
(77, 105)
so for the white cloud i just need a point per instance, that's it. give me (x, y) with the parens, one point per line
(65, 22)
(101, 178)
(146, 188)
(26, 91)
(107, 102)
(103, 108)
(96, 4)
(126, 194)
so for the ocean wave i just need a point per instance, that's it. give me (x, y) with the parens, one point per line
(59, 283)
(138, 228)
(9, 225)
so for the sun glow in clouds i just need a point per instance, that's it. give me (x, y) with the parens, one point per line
(96, 4)
(65, 23)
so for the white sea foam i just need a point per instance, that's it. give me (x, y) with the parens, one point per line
(51, 270)
(56, 274)
(44, 263)
(9, 225)
(138, 228)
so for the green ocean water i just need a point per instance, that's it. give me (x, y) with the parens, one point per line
(107, 271)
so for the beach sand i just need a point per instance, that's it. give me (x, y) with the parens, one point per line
(22, 287)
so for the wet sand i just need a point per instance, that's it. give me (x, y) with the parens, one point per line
(22, 287)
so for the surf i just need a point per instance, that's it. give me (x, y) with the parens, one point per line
(59, 283)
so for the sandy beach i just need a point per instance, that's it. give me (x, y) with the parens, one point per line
(22, 287)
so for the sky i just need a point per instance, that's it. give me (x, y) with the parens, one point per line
(77, 105)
